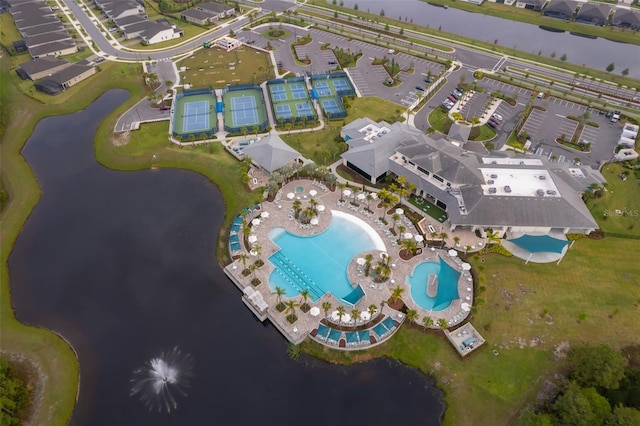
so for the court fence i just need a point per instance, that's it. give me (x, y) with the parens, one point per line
(242, 130)
(349, 91)
(200, 134)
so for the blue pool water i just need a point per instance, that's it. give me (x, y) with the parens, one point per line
(318, 262)
(540, 243)
(447, 285)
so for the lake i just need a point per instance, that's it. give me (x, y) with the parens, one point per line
(122, 264)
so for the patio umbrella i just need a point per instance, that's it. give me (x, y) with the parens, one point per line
(465, 306)
(466, 267)
(315, 311)
(346, 192)
(419, 238)
(374, 195)
(399, 211)
(320, 208)
(360, 261)
(453, 253)
(335, 315)
(253, 253)
(408, 235)
(252, 239)
(313, 192)
(314, 221)
(361, 196)
(291, 195)
(346, 318)
(255, 222)
(365, 315)
(264, 215)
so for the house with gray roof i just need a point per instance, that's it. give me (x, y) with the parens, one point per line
(65, 78)
(24, 23)
(593, 14)
(41, 67)
(536, 5)
(123, 23)
(501, 191)
(560, 9)
(216, 10)
(271, 153)
(58, 48)
(41, 39)
(196, 16)
(42, 29)
(626, 18)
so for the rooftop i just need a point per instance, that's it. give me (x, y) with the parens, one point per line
(519, 183)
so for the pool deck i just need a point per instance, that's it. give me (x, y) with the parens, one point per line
(280, 215)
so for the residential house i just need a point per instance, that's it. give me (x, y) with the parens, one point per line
(120, 9)
(41, 39)
(593, 14)
(123, 23)
(217, 10)
(66, 78)
(42, 29)
(157, 33)
(196, 16)
(536, 5)
(35, 21)
(41, 67)
(560, 9)
(58, 48)
(626, 18)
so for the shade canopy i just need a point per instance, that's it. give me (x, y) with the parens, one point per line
(252, 238)
(361, 196)
(399, 211)
(466, 267)
(365, 315)
(315, 311)
(264, 215)
(335, 315)
(346, 192)
(465, 306)
(346, 318)
(320, 208)
(408, 235)
(374, 195)
(255, 221)
(313, 192)
(453, 253)
(291, 195)
(361, 261)
(419, 238)
(314, 221)
(253, 253)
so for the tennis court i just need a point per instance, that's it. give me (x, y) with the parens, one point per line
(330, 105)
(298, 91)
(244, 111)
(291, 102)
(304, 109)
(278, 93)
(284, 111)
(196, 116)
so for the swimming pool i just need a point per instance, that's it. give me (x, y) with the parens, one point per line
(447, 285)
(319, 262)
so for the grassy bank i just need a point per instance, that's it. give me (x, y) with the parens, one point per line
(529, 310)
(48, 351)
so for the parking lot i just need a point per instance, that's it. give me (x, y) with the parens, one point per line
(515, 92)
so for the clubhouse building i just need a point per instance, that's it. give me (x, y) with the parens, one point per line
(502, 191)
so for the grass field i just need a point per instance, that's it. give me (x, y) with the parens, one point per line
(618, 210)
(211, 68)
(322, 146)
(529, 310)
(438, 119)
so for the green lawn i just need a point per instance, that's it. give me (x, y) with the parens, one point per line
(439, 120)
(323, 146)
(210, 68)
(618, 210)
(529, 309)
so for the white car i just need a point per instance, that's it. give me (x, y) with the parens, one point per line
(497, 117)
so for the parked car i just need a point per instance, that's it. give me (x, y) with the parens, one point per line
(455, 95)
(540, 95)
(428, 80)
(452, 99)
(497, 117)
(420, 88)
(332, 63)
(491, 124)
(458, 91)
(447, 104)
(495, 121)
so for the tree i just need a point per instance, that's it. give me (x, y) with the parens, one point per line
(456, 240)
(396, 293)
(341, 312)
(410, 245)
(531, 419)
(355, 313)
(381, 12)
(290, 310)
(563, 57)
(355, 6)
(243, 258)
(368, 258)
(625, 72)
(597, 366)
(326, 306)
(580, 407)
(623, 416)
(412, 315)
(442, 323)
(279, 293)
(13, 395)
(427, 322)
(372, 310)
(305, 297)
(611, 67)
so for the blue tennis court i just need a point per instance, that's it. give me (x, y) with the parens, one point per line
(321, 85)
(277, 89)
(279, 96)
(196, 116)
(340, 84)
(329, 105)
(299, 94)
(296, 87)
(244, 111)
(283, 111)
(304, 109)
(323, 92)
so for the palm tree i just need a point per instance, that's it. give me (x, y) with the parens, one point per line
(396, 293)
(467, 248)
(372, 310)
(412, 315)
(367, 263)
(256, 249)
(443, 236)
(369, 198)
(243, 258)
(326, 306)
(395, 218)
(427, 322)
(341, 186)
(355, 313)
(305, 296)
(410, 245)
(442, 323)
(279, 293)
(252, 268)
(341, 312)
(492, 236)
(456, 240)
(290, 310)
(297, 207)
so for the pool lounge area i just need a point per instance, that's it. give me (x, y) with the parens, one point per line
(357, 292)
